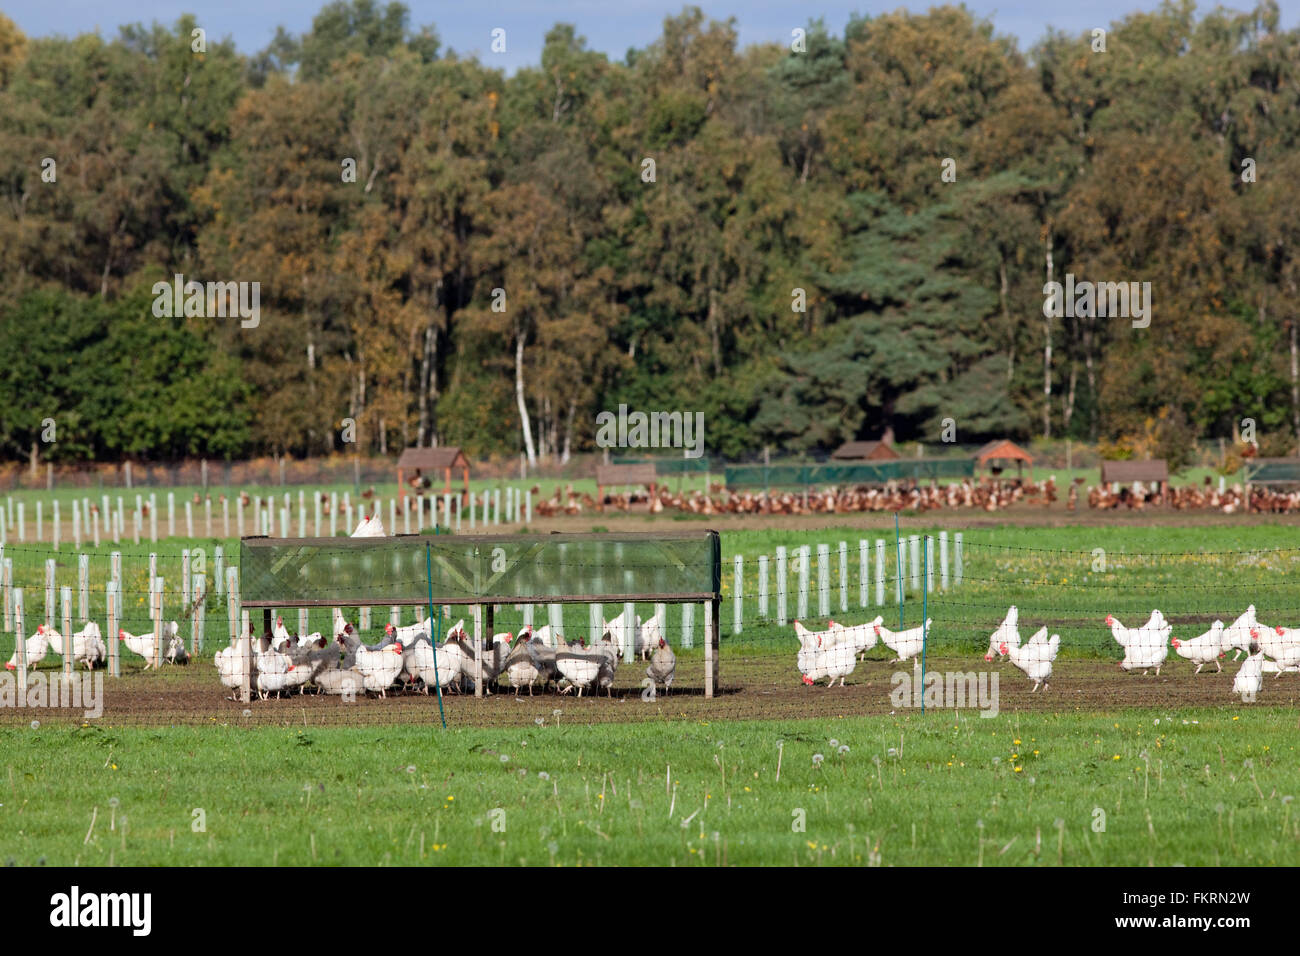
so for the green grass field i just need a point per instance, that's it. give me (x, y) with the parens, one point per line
(1133, 788)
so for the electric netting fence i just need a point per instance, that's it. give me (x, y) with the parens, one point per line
(735, 625)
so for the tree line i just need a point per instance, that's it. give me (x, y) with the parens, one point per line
(807, 242)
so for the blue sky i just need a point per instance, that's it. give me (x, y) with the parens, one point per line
(611, 27)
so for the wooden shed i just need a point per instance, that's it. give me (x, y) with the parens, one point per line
(428, 463)
(879, 450)
(1004, 450)
(1153, 471)
(625, 475)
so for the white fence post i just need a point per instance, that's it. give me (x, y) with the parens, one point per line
(478, 650)
(709, 624)
(880, 572)
(844, 577)
(76, 525)
(915, 568)
(7, 569)
(113, 611)
(218, 563)
(554, 614)
(189, 518)
(929, 564)
(943, 560)
(762, 586)
(66, 593)
(595, 623)
(496, 506)
(688, 626)
(83, 586)
(864, 568)
(55, 526)
(158, 623)
(803, 558)
(153, 518)
(199, 616)
(171, 514)
(738, 607)
(153, 577)
(823, 580)
(49, 593)
(629, 632)
(957, 568)
(20, 643)
(782, 586)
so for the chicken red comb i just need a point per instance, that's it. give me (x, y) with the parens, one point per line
(1279, 630)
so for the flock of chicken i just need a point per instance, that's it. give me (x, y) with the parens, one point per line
(90, 651)
(834, 652)
(408, 658)
(987, 495)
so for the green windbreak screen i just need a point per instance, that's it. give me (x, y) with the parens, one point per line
(861, 473)
(479, 569)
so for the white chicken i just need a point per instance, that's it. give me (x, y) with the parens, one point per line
(87, 645)
(906, 644)
(1284, 648)
(379, 668)
(663, 666)
(38, 645)
(830, 660)
(340, 681)
(522, 665)
(275, 671)
(862, 636)
(612, 655)
(648, 636)
(1008, 632)
(579, 667)
(143, 644)
(232, 665)
(1145, 647)
(370, 527)
(1206, 649)
(1034, 658)
(436, 667)
(410, 633)
(340, 625)
(1250, 677)
(1237, 634)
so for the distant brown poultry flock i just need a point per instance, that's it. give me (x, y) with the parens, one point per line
(984, 495)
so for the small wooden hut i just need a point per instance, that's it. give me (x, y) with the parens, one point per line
(421, 466)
